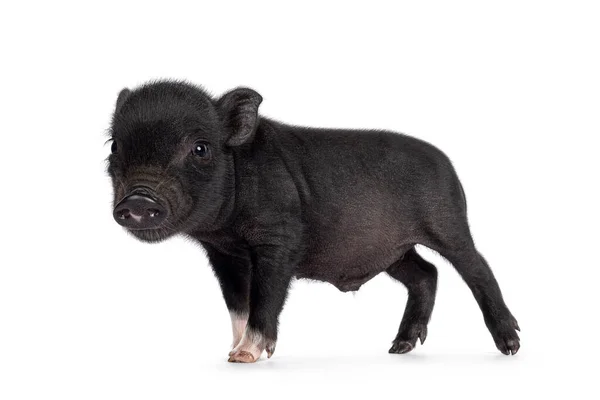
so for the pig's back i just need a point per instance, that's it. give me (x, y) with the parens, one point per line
(337, 168)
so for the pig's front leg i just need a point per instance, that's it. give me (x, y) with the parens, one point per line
(233, 274)
(272, 271)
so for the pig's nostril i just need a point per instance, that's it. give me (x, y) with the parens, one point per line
(123, 214)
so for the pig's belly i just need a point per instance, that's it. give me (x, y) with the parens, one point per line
(348, 265)
(346, 245)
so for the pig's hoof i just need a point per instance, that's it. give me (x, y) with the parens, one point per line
(506, 337)
(401, 347)
(508, 344)
(241, 357)
(511, 346)
(407, 338)
(270, 349)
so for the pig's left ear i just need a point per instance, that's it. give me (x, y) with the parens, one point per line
(239, 109)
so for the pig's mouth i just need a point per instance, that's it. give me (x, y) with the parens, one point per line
(152, 235)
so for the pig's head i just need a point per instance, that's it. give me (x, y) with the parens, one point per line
(171, 161)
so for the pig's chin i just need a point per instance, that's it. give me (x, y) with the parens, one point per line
(152, 235)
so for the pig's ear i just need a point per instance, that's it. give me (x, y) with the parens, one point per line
(239, 109)
(123, 96)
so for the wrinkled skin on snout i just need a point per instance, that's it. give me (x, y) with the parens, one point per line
(270, 201)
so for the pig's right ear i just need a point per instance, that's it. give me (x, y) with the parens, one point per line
(123, 96)
(239, 109)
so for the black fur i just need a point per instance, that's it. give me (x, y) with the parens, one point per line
(274, 201)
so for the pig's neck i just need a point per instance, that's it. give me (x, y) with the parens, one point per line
(225, 213)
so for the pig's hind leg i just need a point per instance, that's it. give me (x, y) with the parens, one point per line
(450, 236)
(477, 274)
(420, 278)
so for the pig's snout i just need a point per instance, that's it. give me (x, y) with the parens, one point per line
(139, 211)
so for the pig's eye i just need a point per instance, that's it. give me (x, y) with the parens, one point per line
(201, 149)
(113, 147)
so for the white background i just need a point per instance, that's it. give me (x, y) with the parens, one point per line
(510, 91)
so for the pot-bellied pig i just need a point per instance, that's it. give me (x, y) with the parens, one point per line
(270, 201)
